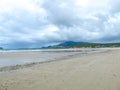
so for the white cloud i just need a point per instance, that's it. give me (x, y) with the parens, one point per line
(35, 23)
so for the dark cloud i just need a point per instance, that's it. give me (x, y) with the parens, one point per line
(36, 23)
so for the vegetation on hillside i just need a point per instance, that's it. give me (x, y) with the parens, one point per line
(85, 45)
(96, 45)
(1, 48)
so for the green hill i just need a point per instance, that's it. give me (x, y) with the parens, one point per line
(71, 44)
(1, 48)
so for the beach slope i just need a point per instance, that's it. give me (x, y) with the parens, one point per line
(97, 71)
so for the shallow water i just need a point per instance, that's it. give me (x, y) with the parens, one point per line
(18, 57)
(17, 61)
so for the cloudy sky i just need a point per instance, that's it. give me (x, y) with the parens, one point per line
(36, 23)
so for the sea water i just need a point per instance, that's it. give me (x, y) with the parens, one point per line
(18, 57)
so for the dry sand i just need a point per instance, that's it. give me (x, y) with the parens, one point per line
(97, 71)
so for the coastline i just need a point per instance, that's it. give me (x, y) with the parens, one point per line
(93, 71)
(81, 53)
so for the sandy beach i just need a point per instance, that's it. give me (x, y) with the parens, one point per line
(95, 71)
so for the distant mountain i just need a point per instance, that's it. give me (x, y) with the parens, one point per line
(1, 48)
(67, 44)
(72, 44)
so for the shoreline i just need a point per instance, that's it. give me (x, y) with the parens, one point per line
(93, 71)
(27, 65)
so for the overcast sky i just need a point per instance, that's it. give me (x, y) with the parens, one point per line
(36, 23)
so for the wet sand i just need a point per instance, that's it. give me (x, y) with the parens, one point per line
(95, 71)
(21, 58)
